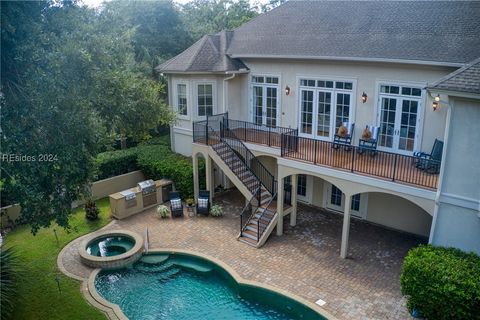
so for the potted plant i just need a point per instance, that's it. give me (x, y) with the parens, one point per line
(216, 210)
(91, 210)
(190, 202)
(163, 211)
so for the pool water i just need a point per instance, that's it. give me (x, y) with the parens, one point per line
(109, 246)
(179, 286)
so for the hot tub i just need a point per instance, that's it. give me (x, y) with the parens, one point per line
(111, 249)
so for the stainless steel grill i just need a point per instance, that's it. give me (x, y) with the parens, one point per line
(147, 186)
(149, 195)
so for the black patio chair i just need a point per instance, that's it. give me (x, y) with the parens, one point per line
(429, 162)
(176, 206)
(345, 141)
(203, 203)
(369, 145)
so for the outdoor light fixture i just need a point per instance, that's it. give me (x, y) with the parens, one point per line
(364, 97)
(287, 90)
(435, 104)
(437, 98)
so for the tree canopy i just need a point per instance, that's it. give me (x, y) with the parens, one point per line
(74, 79)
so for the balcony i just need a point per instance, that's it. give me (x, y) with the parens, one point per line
(387, 166)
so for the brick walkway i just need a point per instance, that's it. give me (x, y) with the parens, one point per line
(304, 261)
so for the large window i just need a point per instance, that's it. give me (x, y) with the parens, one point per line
(324, 106)
(182, 99)
(265, 100)
(302, 185)
(205, 99)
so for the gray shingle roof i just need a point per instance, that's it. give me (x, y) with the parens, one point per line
(436, 31)
(206, 55)
(433, 32)
(466, 79)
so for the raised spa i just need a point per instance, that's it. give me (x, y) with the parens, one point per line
(111, 249)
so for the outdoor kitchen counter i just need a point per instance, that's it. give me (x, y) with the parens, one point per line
(134, 200)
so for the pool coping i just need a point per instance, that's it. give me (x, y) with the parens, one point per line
(113, 311)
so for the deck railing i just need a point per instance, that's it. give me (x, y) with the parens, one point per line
(385, 165)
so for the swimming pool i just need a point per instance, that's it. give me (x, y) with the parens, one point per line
(181, 286)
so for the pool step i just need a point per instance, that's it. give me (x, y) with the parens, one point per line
(154, 268)
(195, 266)
(169, 274)
(154, 258)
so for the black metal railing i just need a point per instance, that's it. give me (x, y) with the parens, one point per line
(250, 209)
(253, 163)
(385, 165)
(261, 227)
(260, 134)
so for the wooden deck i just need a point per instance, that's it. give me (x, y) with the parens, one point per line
(383, 165)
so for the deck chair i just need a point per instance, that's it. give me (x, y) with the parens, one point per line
(176, 206)
(203, 203)
(429, 162)
(345, 141)
(369, 145)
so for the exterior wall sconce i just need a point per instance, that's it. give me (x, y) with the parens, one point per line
(287, 90)
(436, 102)
(364, 97)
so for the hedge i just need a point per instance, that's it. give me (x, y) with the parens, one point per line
(442, 283)
(156, 160)
(114, 163)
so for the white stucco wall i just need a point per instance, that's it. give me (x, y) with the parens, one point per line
(366, 76)
(457, 221)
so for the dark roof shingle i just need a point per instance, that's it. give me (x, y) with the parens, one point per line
(465, 80)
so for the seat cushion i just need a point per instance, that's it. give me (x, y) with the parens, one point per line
(176, 204)
(203, 203)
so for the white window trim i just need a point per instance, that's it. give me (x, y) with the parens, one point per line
(353, 92)
(361, 214)
(279, 87)
(175, 99)
(422, 105)
(195, 97)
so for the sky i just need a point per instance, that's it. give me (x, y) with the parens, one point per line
(96, 3)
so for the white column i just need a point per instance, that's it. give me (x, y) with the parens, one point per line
(280, 206)
(196, 184)
(293, 215)
(209, 176)
(346, 226)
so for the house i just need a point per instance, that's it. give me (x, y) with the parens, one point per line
(282, 102)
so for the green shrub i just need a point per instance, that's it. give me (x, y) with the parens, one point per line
(442, 283)
(9, 264)
(162, 140)
(114, 163)
(157, 162)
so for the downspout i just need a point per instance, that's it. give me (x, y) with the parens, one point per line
(442, 170)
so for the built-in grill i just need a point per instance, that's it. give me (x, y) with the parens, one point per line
(130, 198)
(149, 194)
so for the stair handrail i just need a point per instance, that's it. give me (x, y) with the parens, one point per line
(246, 208)
(259, 234)
(235, 154)
(270, 186)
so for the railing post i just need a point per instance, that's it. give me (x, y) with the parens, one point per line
(394, 166)
(353, 159)
(315, 142)
(245, 130)
(269, 134)
(206, 135)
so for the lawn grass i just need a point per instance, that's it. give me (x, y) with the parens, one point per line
(38, 295)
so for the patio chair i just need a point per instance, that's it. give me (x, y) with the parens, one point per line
(176, 206)
(203, 203)
(369, 145)
(345, 141)
(429, 162)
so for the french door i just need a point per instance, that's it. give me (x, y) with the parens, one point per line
(322, 112)
(335, 200)
(399, 119)
(265, 100)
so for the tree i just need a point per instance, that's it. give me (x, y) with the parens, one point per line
(211, 16)
(69, 82)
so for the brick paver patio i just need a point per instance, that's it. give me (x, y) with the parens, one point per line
(304, 261)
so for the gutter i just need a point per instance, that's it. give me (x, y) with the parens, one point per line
(355, 59)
